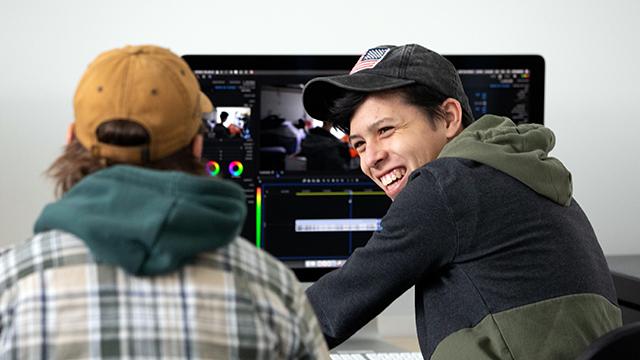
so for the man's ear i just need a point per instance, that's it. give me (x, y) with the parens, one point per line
(71, 133)
(196, 146)
(453, 117)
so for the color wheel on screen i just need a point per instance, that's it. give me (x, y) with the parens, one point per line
(236, 168)
(213, 168)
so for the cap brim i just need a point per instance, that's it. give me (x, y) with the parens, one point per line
(319, 94)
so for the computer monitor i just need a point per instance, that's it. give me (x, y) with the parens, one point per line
(309, 204)
(505, 85)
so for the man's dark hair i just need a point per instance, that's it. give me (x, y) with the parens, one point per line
(418, 95)
(76, 162)
(224, 115)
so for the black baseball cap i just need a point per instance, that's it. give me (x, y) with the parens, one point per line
(388, 67)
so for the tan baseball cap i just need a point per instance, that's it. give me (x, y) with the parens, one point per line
(206, 106)
(148, 85)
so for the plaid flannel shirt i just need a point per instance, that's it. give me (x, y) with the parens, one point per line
(56, 302)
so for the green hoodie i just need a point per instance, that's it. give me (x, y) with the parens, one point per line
(520, 151)
(147, 221)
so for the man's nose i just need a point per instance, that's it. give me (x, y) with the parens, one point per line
(374, 155)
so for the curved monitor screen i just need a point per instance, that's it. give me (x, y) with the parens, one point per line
(309, 204)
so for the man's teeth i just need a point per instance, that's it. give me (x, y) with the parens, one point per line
(389, 178)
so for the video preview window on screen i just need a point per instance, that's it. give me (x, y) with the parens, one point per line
(289, 140)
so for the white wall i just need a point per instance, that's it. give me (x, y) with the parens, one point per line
(591, 48)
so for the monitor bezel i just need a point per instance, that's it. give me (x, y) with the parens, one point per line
(271, 62)
(535, 63)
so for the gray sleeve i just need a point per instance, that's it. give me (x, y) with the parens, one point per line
(418, 237)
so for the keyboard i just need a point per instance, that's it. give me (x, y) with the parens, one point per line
(378, 356)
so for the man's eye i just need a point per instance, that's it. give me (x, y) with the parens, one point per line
(385, 129)
(358, 145)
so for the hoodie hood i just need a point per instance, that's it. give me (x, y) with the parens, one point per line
(148, 222)
(520, 151)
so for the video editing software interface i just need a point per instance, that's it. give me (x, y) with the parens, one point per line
(309, 204)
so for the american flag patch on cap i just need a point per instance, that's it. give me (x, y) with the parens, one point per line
(369, 59)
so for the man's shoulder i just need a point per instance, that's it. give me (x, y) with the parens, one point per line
(450, 171)
(445, 172)
(464, 184)
(52, 245)
(43, 250)
(450, 164)
(245, 260)
(248, 256)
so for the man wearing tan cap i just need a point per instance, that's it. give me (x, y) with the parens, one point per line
(140, 258)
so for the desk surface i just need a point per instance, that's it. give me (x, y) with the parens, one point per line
(406, 343)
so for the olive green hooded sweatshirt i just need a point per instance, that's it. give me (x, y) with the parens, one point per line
(520, 151)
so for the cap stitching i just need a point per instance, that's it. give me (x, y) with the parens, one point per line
(407, 52)
(183, 90)
(125, 87)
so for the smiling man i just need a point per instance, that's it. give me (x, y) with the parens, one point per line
(483, 222)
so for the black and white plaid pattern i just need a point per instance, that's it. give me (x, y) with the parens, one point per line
(56, 302)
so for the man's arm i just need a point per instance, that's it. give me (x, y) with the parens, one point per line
(418, 237)
(311, 343)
